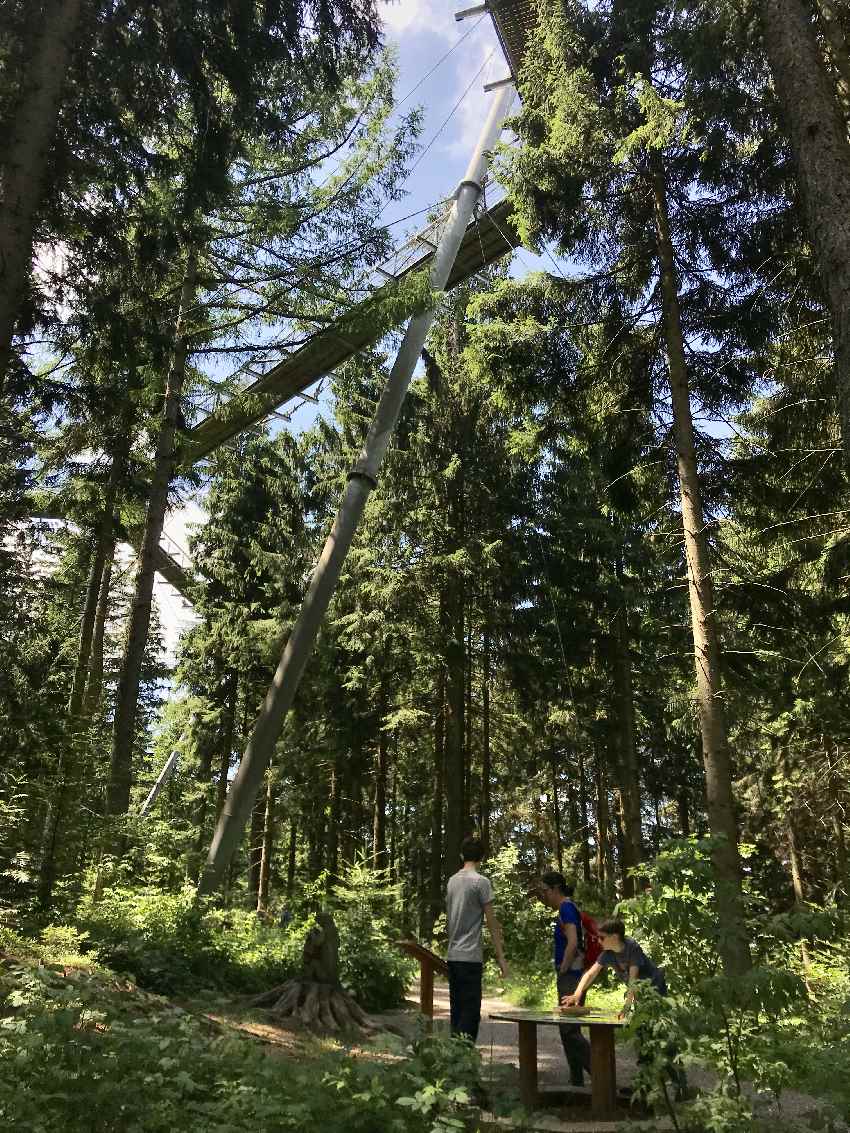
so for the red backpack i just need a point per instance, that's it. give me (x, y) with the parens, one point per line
(592, 943)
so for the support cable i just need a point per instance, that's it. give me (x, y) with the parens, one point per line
(440, 61)
(452, 112)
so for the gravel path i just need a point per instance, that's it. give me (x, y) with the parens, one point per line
(497, 1041)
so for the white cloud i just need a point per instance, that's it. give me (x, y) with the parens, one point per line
(405, 15)
(472, 113)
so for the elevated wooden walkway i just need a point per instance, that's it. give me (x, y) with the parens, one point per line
(489, 237)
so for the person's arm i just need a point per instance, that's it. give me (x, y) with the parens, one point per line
(569, 931)
(584, 983)
(496, 934)
(630, 994)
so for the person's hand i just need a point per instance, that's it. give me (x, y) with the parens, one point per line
(569, 1000)
(503, 968)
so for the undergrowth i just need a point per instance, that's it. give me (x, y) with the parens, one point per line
(82, 1051)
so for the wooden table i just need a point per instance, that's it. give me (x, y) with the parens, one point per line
(603, 1066)
(429, 962)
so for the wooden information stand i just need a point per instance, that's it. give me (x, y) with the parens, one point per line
(603, 1066)
(429, 962)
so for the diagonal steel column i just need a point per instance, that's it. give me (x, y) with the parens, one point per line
(362, 479)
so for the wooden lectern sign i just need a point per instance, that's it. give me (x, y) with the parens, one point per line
(429, 962)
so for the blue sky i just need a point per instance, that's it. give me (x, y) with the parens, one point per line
(423, 32)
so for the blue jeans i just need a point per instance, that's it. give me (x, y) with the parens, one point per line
(465, 997)
(576, 1046)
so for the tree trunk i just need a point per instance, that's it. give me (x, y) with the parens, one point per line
(684, 815)
(103, 550)
(720, 802)
(23, 166)
(572, 807)
(627, 766)
(797, 883)
(838, 53)
(97, 561)
(206, 745)
(94, 682)
(437, 799)
(601, 834)
(88, 667)
(228, 730)
(332, 853)
(393, 823)
(316, 997)
(818, 135)
(351, 816)
(315, 831)
(556, 810)
(455, 658)
(840, 843)
(256, 838)
(127, 696)
(379, 818)
(290, 859)
(486, 768)
(582, 809)
(603, 823)
(468, 758)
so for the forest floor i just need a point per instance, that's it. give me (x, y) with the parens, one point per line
(106, 995)
(562, 1110)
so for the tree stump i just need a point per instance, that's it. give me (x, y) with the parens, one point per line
(315, 997)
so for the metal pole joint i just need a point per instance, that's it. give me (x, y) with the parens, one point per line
(467, 184)
(361, 474)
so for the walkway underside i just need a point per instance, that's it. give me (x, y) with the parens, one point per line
(50, 507)
(487, 239)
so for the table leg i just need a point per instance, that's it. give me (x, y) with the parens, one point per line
(426, 992)
(528, 1064)
(603, 1071)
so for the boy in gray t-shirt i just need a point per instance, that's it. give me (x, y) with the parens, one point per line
(469, 899)
(628, 960)
(632, 966)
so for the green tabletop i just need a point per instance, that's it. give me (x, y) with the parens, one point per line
(554, 1018)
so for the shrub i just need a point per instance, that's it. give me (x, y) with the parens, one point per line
(171, 944)
(526, 921)
(371, 967)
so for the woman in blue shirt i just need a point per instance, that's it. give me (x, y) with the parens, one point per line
(568, 941)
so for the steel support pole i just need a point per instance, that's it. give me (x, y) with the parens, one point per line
(361, 480)
(164, 775)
